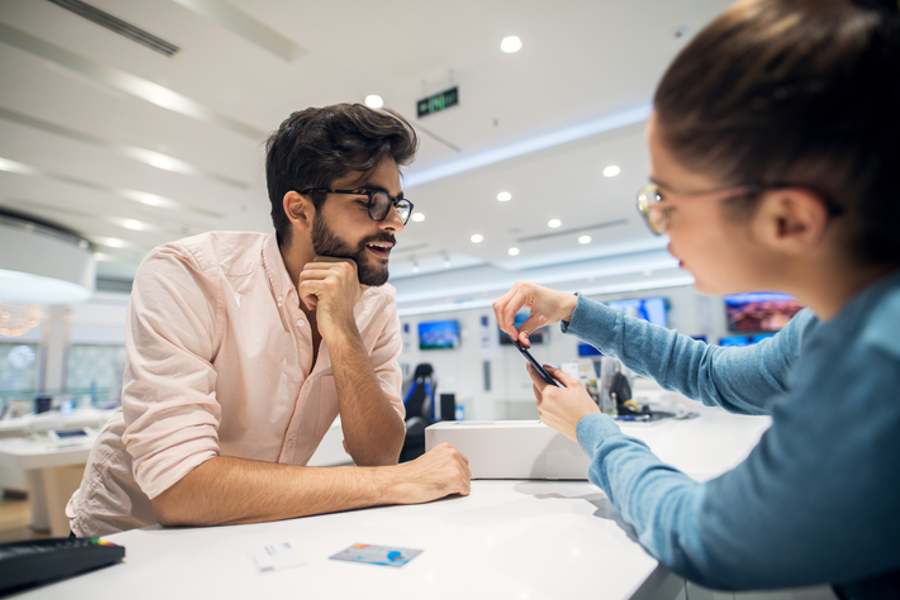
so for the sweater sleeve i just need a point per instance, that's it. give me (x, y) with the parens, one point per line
(814, 502)
(741, 380)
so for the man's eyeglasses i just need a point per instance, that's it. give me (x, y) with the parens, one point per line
(379, 202)
(651, 203)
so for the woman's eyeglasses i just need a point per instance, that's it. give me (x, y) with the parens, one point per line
(651, 203)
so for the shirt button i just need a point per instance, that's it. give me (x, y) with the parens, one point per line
(300, 322)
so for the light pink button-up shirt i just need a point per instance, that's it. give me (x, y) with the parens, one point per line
(219, 362)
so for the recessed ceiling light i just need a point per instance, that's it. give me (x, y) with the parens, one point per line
(584, 239)
(554, 223)
(611, 170)
(110, 242)
(513, 251)
(418, 217)
(476, 238)
(149, 199)
(132, 224)
(11, 166)
(504, 197)
(374, 101)
(511, 44)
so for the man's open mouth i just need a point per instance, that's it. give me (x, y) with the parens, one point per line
(380, 249)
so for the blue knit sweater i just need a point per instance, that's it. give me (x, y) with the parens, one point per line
(818, 499)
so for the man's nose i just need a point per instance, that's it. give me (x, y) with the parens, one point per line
(392, 222)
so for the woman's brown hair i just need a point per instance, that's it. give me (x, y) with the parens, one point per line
(805, 92)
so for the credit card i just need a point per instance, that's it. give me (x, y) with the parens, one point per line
(386, 556)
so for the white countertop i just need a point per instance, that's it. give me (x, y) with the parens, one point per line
(508, 539)
(534, 540)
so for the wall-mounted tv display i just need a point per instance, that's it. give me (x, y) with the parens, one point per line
(439, 335)
(759, 311)
(743, 340)
(585, 350)
(655, 310)
(536, 337)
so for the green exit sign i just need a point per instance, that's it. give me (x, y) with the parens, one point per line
(437, 102)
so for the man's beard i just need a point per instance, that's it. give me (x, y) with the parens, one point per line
(326, 243)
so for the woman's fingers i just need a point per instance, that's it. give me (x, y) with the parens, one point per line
(535, 321)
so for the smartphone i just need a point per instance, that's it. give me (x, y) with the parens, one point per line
(537, 366)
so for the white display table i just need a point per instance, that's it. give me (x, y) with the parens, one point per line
(508, 539)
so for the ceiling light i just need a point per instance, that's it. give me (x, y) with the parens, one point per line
(110, 242)
(132, 224)
(554, 223)
(611, 170)
(103, 257)
(148, 198)
(609, 122)
(504, 197)
(477, 238)
(511, 44)
(374, 101)
(513, 251)
(584, 239)
(418, 217)
(11, 166)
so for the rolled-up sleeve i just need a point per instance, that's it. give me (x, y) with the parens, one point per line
(386, 360)
(168, 393)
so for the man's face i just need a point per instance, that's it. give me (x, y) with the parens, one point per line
(343, 228)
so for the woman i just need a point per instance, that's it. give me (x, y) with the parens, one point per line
(774, 148)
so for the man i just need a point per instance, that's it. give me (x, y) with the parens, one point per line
(244, 347)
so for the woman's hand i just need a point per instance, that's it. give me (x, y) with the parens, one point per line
(547, 307)
(561, 408)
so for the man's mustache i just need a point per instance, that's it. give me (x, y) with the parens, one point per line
(379, 238)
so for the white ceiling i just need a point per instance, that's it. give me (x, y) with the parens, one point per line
(74, 115)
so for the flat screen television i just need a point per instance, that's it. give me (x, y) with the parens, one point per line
(585, 350)
(655, 310)
(743, 340)
(759, 311)
(439, 335)
(536, 337)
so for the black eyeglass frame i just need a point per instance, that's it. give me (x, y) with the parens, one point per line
(658, 222)
(398, 202)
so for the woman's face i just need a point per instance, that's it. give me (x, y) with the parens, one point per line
(716, 247)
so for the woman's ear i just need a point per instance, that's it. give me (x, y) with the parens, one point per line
(298, 208)
(790, 220)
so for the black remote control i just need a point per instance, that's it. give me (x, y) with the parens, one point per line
(34, 562)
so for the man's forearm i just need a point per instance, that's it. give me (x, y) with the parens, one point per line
(373, 431)
(226, 490)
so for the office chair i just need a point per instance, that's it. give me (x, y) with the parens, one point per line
(420, 411)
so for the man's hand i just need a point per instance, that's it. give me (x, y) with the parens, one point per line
(561, 408)
(330, 286)
(440, 472)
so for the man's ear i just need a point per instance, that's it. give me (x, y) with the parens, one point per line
(299, 209)
(790, 220)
